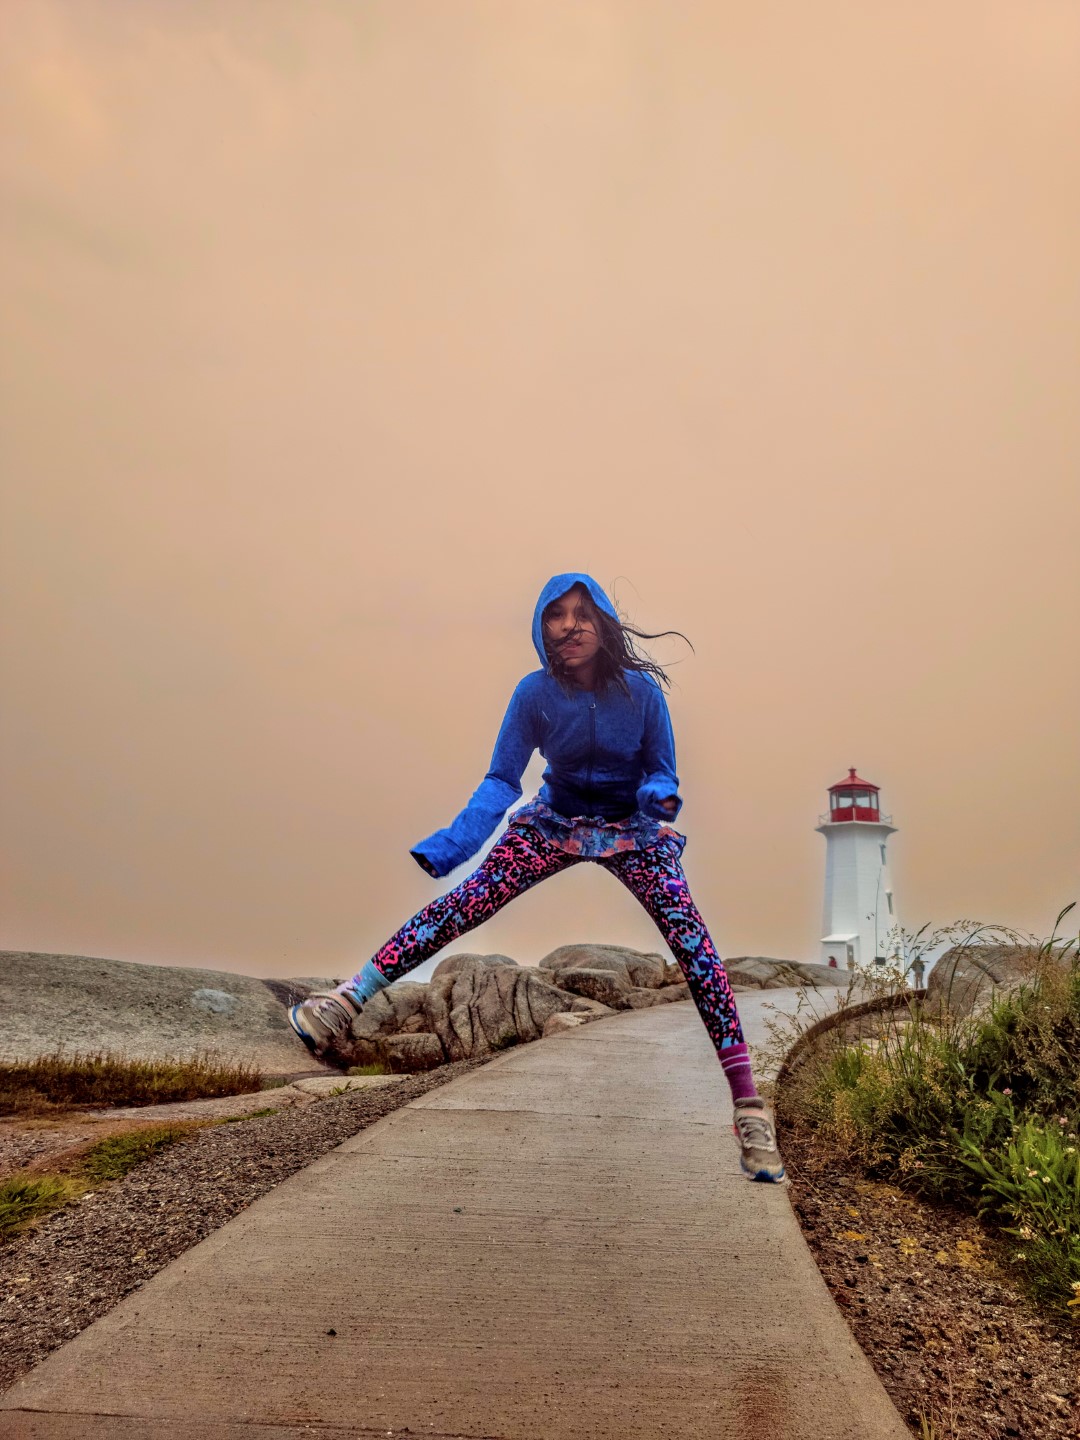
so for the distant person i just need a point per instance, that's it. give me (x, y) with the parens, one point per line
(597, 713)
(832, 962)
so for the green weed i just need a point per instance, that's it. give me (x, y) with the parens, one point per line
(1030, 1184)
(111, 1159)
(26, 1198)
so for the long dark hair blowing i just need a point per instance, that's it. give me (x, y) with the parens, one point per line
(618, 651)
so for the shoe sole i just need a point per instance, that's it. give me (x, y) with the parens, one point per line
(762, 1177)
(301, 1034)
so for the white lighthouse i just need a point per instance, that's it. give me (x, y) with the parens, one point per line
(860, 925)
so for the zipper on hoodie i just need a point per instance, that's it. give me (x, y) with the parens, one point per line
(592, 744)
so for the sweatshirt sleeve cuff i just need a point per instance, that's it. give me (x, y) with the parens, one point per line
(652, 792)
(438, 854)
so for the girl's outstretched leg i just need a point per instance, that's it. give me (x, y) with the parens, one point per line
(655, 877)
(519, 859)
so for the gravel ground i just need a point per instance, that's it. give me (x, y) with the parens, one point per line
(927, 1294)
(20, 1147)
(79, 1263)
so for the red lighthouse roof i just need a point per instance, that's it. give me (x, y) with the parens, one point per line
(853, 783)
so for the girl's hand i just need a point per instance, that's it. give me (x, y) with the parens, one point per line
(671, 804)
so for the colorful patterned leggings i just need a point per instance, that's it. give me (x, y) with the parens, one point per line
(521, 859)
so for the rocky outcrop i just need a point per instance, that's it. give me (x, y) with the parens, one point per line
(566, 1020)
(606, 987)
(640, 999)
(79, 1003)
(578, 967)
(406, 1053)
(640, 970)
(758, 972)
(966, 978)
(478, 1004)
(475, 1006)
(394, 1011)
(591, 1009)
(454, 964)
(614, 976)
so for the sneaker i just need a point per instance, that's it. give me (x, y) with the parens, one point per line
(321, 1021)
(754, 1130)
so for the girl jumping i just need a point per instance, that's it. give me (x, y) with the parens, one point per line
(597, 714)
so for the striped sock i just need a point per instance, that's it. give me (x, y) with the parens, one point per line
(736, 1062)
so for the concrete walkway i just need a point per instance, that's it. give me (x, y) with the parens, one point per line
(557, 1245)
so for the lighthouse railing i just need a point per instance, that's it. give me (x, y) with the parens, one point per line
(881, 820)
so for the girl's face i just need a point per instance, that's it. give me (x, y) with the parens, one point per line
(571, 631)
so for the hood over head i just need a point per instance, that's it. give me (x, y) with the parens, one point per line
(559, 585)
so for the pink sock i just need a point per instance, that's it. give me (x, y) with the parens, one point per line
(736, 1062)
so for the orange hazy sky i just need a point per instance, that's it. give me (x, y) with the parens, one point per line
(332, 330)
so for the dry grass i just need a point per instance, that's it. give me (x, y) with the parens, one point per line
(61, 1081)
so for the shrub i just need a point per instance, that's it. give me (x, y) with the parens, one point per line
(1029, 1041)
(1030, 1184)
(983, 1110)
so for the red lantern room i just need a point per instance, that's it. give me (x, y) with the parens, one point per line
(854, 799)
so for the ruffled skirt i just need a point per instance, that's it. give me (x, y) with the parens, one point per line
(592, 837)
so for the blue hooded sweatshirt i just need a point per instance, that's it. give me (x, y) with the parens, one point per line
(609, 755)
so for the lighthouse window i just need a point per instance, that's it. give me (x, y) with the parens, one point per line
(883, 854)
(888, 896)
